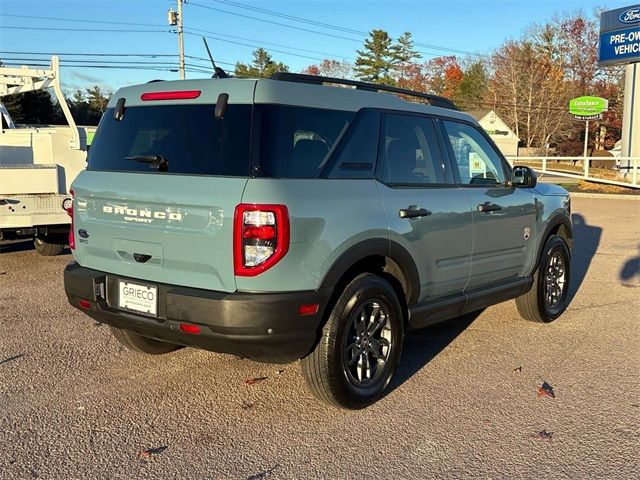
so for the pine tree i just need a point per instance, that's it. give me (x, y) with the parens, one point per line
(376, 61)
(473, 87)
(404, 54)
(34, 107)
(262, 65)
(97, 99)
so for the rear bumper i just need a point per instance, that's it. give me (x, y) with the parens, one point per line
(261, 326)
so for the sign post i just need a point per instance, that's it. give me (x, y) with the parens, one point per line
(619, 45)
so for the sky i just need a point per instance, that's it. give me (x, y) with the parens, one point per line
(333, 29)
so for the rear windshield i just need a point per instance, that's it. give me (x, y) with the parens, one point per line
(183, 139)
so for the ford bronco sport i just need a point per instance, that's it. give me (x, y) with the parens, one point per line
(283, 219)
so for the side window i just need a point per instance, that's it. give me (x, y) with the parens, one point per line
(478, 162)
(296, 141)
(356, 156)
(409, 152)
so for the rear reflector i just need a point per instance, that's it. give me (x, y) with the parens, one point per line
(308, 309)
(69, 208)
(188, 328)
(177, 95)
(85, 304)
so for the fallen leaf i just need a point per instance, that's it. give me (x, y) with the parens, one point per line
(264, 474)
(546, 390)
(145, 454)
(518, 369)
(280, 371)
(253, 381)
(543, 435)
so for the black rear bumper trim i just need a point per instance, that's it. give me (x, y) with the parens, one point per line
(261, 326)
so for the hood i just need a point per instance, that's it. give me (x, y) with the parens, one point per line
(550, 189)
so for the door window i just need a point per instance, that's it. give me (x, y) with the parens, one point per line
(409, 151)
(477, 161)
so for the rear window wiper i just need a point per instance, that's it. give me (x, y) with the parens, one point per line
(264, 172)
(158, 160)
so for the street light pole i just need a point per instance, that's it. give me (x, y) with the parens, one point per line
(181, 39)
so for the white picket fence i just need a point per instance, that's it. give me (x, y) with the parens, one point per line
(624, 169)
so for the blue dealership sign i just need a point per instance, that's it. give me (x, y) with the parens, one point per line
(620, 36)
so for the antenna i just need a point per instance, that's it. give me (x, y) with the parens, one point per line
(218, 72)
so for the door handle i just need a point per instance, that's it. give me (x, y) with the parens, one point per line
(487, 207)
(413, 212)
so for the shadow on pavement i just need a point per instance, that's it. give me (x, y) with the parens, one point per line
(631, 268)
(16, 246)
(586, 239)
(421, 346)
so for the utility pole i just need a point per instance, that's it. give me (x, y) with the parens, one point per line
(175, 20)
(181, 39)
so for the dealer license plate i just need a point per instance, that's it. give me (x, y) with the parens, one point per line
(138, 298)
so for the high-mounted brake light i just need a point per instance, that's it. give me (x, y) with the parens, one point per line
(260, 237)
(176, 95)
(68, 206)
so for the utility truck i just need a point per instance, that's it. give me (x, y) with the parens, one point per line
(38, 164)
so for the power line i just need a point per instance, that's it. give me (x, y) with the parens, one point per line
(104, 54)
(264, 43)
(258, 46)
(87, 29)
(329, 26)
(274, 23)
(125, 62)
(100, 54)
(60, 19)
(292, 17)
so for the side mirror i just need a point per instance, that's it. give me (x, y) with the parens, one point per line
(523, 177)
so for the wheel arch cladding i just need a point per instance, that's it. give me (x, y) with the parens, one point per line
(559, 225)
(382, 257)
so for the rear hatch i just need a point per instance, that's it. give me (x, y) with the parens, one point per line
(163, 179)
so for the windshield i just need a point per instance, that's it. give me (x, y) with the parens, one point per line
(182, 139)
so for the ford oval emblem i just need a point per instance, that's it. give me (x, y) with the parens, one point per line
(83, 233)
(631, 15)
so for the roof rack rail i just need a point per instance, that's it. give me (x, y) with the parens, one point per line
(434, 100)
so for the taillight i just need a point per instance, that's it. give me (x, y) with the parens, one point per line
(260, 237)
(69, 209)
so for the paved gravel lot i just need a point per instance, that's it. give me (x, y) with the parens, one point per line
(73, 404)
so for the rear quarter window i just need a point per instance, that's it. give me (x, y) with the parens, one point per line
(189, 137)
(295, 142)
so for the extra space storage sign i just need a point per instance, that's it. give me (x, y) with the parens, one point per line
(620, 36)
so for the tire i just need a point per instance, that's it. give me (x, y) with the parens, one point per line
(337, 371)
(547, 298)
(140, 344)
(48, 249)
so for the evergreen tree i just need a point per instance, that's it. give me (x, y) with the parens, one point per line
(375, 62)
(473, 87)
(97, 99)
(262, 65)
(404, 54)
(35, 107)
